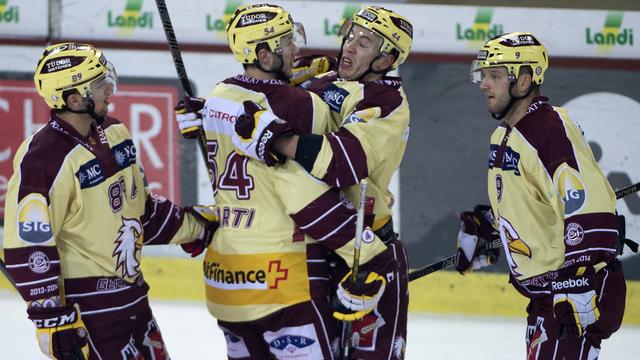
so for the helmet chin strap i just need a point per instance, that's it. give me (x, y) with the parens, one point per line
(500, 115)
(91, 106)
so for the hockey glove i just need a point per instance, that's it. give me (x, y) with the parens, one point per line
(575, 302)
(60, 332)
(355, 299)
(256, 133)
(189, 116)
(208, 216)
(476, 230)
(306, 67)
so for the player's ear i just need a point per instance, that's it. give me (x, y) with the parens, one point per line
(265, 58)
(383, 62)
(75, 101)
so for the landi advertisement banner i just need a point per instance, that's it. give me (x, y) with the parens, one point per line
(147, 110)
(437, 28)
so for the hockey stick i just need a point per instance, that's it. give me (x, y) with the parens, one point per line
(448, 262)
(176, 55)
(347, 342)
(5, 272)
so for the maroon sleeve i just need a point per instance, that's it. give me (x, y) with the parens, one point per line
(349, 162)
(329, 219)
(161, 220)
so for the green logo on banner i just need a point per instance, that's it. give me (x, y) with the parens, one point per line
(481, 31)
(334, 28)
(9, 14)
(612, 35)
(220, 25)
(132, 17)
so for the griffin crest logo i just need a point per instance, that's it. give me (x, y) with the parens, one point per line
(128, 248)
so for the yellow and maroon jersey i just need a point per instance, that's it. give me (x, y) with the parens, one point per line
(277, 224)
(373, 117)
(77, 209)
(554, 206)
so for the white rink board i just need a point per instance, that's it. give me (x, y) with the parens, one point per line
(190, 332)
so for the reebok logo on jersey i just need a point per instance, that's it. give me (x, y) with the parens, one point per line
(33, 219)
(266, 135)
(569, 284)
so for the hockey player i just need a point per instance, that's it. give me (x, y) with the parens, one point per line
(77, 215)
(553, 206)
(266, 281)
(372, 112)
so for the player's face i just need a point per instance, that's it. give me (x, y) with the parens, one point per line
(288, 50)
(360, 48)
(101, 91)
(495, 86)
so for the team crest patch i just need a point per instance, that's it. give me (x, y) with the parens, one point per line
(39, 262)
(499, 185)
(365, 331)
(34, 225)
(153, 341)
(571, 189)
(127, 249)
(334, 97)
(574, 234)
(536, 336)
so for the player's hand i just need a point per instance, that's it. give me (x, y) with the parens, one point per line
(256, 132)
(60, 331)
(476, 230)
(306, 67)
(575, 301)
(189, 116)
(355, 299)
(209, 217)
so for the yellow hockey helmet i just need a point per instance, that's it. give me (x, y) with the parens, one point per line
(395, 30)
(71, 66)
(512, 50)
(251, 25)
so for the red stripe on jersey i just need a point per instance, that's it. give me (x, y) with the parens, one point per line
(349, 162)
(543, 129)
(328, 219)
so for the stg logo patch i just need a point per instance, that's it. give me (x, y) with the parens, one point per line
(571, 189)
(33, 219)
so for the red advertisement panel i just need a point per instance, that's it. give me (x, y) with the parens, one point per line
(147, 110)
